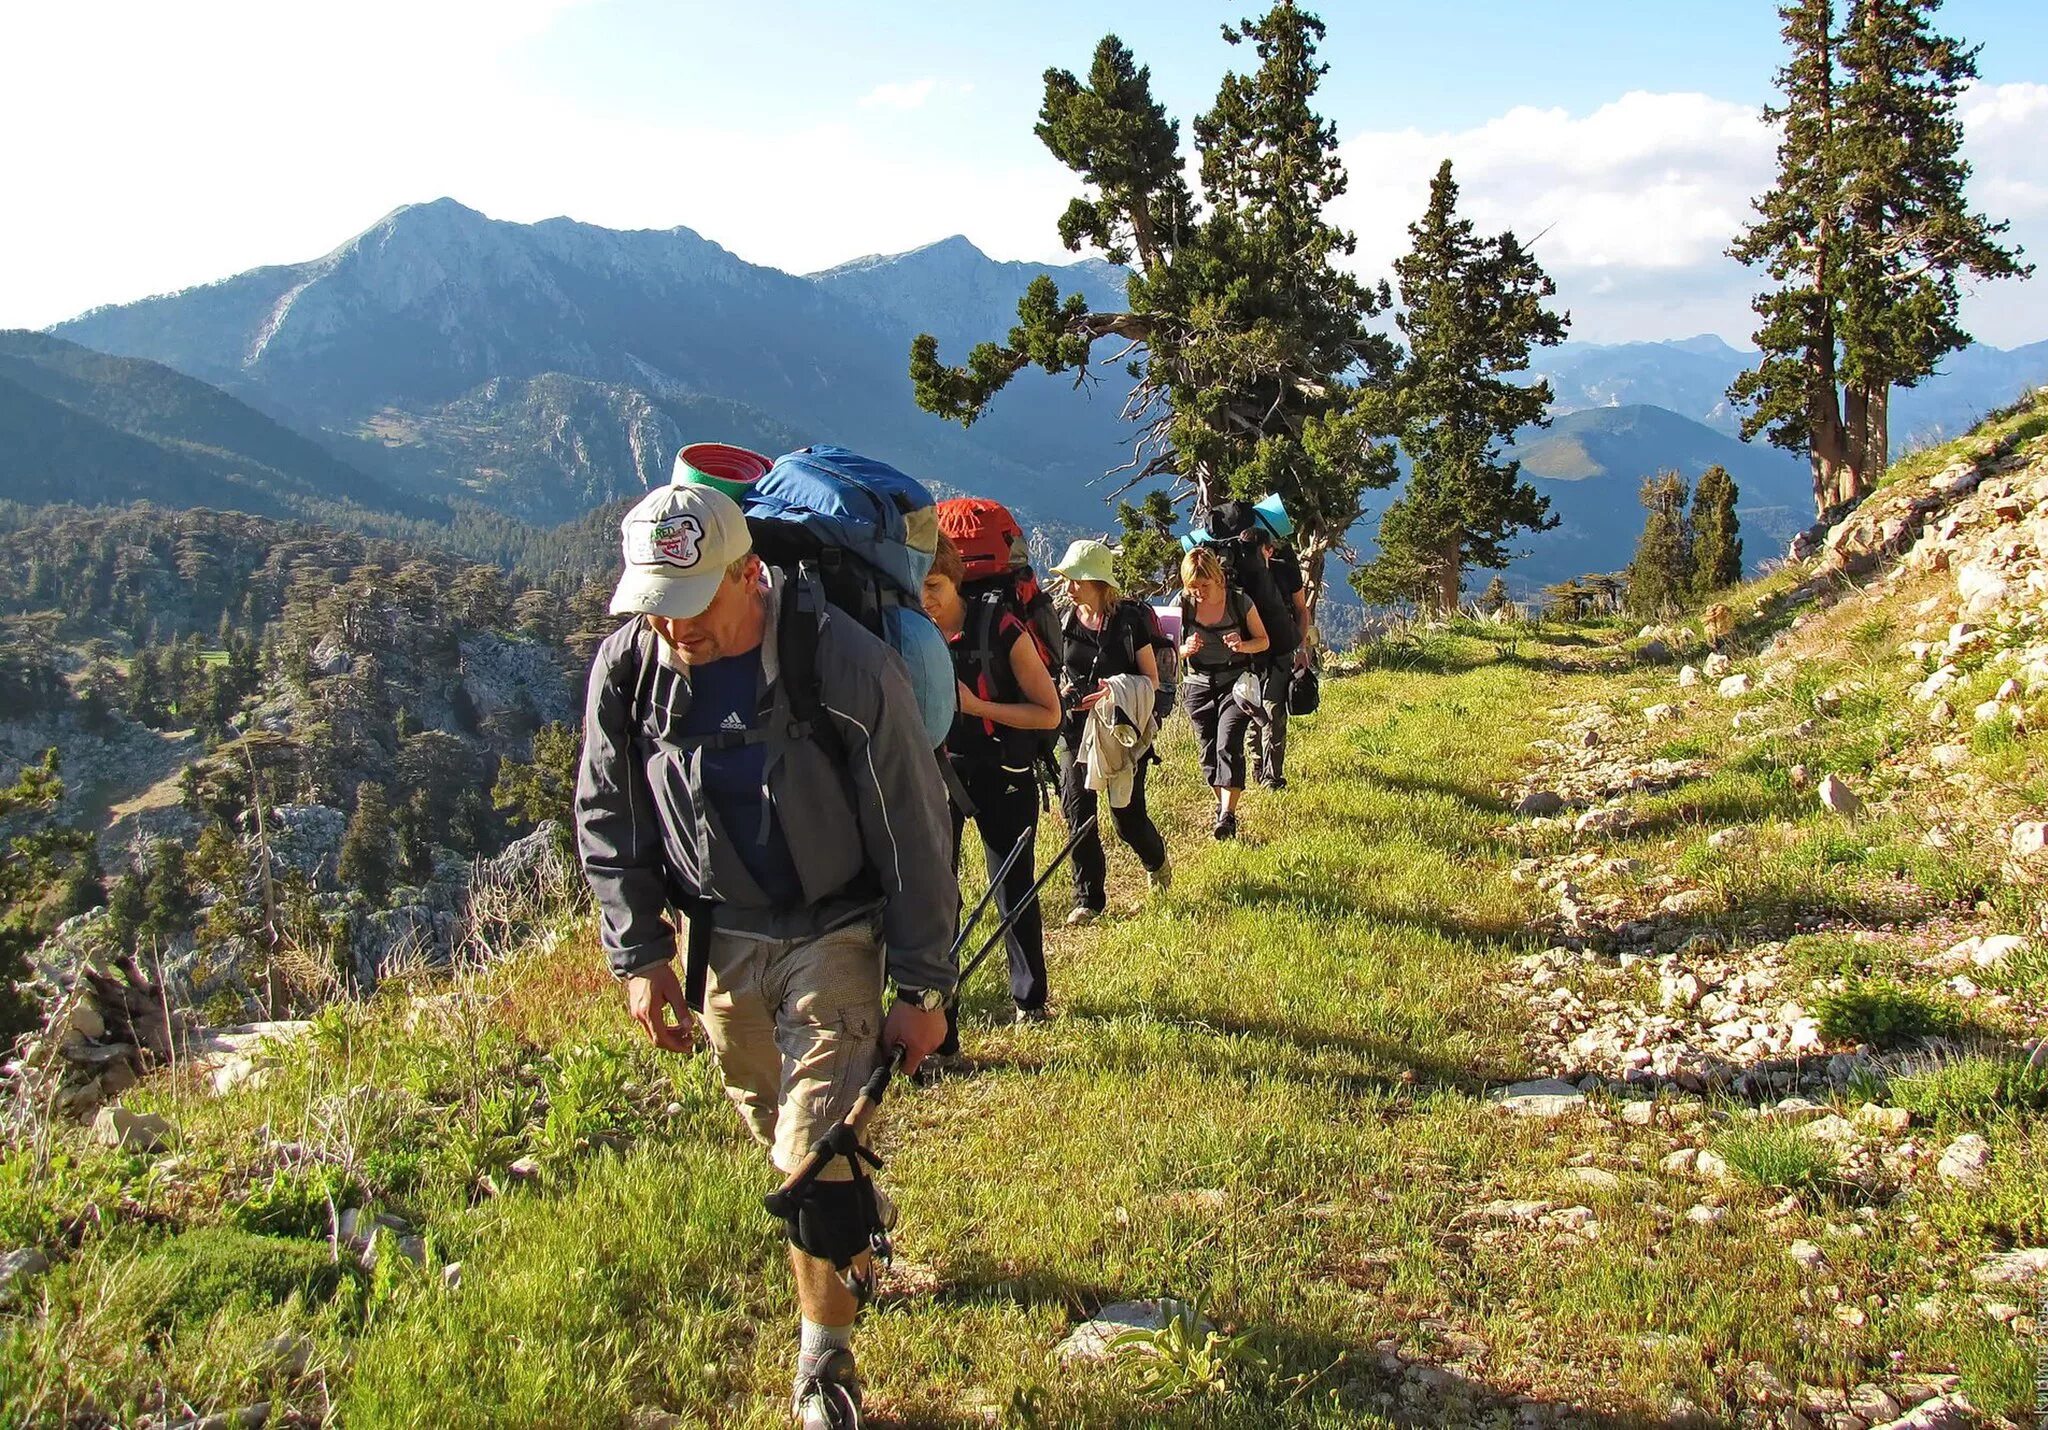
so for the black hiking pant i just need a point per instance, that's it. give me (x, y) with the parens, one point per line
(1133, 823)
(1006, 809)
(1219, 720)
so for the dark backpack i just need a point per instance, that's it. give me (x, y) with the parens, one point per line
(1304, 692)
(987, 603)
(1239, 538)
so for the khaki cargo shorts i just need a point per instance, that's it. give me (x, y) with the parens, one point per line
(796, 1026)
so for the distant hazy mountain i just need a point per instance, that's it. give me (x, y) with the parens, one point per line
(81, 426)
(545, 369)
(1691, 376)
(1591, 465)
(545, 366)
(956, 292)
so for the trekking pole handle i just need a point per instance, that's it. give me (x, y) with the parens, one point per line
(850, 1127)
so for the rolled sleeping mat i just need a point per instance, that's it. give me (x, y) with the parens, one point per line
(930, 662)
(732, 470)
(1272, 514)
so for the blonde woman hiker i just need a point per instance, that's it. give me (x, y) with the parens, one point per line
(1105, 636)
(1220, 634)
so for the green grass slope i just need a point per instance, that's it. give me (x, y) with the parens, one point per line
(1266, 1092)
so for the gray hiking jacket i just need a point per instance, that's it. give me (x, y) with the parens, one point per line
(874, 836)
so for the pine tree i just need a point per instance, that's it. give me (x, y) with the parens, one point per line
(1148, 557)
(126, 907)
(1660, 577)
(1255, 362)
(1472, 308)
(1908, 225)
(1496, 598)
(367, 858)
(146, 694)
(169, 903)
(1861, 235)
(1716, 535)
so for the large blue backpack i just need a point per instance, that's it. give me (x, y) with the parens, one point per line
(863, 533)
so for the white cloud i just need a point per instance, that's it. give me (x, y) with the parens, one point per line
(910, 95)
(1632, 206)
(169, 150)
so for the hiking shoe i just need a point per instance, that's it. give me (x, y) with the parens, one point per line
(1081, 916)
(1161, 879)
(827, 1396)
(1226, 826)
(1034, 1015)
(1273, 781)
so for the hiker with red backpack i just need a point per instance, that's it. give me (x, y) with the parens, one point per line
(1104, 636)
(1009, 706)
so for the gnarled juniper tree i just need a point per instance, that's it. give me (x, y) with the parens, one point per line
(1254, 366)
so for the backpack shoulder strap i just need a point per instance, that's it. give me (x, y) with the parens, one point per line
(796, 649)
(988, 615)
(632, 680)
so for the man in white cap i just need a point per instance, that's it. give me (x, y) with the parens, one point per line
(780, 795)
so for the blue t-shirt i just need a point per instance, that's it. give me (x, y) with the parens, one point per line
(722, 699)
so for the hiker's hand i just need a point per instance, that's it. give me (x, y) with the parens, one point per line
(649, 996)
(1232, 641)
(1302, 657)
(917, 1032)
(1192, 644)
(1092, 699)
(970, 703)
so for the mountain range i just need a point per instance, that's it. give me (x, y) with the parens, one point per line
(450, 360)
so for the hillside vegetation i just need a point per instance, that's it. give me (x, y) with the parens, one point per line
(1767, 922)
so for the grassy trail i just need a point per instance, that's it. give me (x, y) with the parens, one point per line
(1264, 1092)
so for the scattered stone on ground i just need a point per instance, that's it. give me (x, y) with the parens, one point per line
(136, 1131)
(1093, 1339)
(1544, 1097)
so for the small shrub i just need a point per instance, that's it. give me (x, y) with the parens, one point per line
(1830, 955)
(192, 1277)
(1185, 1357)
(1778, 1157)
(1883, 1014)
(298, 1202)
(1973, 1089)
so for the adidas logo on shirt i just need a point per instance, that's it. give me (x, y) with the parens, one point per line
(732, 721)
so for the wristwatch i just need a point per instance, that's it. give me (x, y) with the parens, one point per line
(928, 1000)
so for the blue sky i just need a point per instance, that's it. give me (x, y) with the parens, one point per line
(178, 144)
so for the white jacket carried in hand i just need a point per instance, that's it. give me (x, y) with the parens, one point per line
(1118, 734)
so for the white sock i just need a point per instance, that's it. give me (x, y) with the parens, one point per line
(816, 1342)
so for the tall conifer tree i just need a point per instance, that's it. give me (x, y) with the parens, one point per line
(1472, 308)
(1862, 235)
(1660, 577)
(1255, 366)
(1716, 538)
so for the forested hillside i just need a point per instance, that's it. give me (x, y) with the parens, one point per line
(189, 668)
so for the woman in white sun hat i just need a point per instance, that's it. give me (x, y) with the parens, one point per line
(1105, 636)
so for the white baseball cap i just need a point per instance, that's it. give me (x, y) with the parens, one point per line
(677, 543)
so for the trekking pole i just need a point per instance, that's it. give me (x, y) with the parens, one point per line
(843, 1138)
(995, 882)
(1009, 919)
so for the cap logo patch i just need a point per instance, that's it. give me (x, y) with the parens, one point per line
(672, 541)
